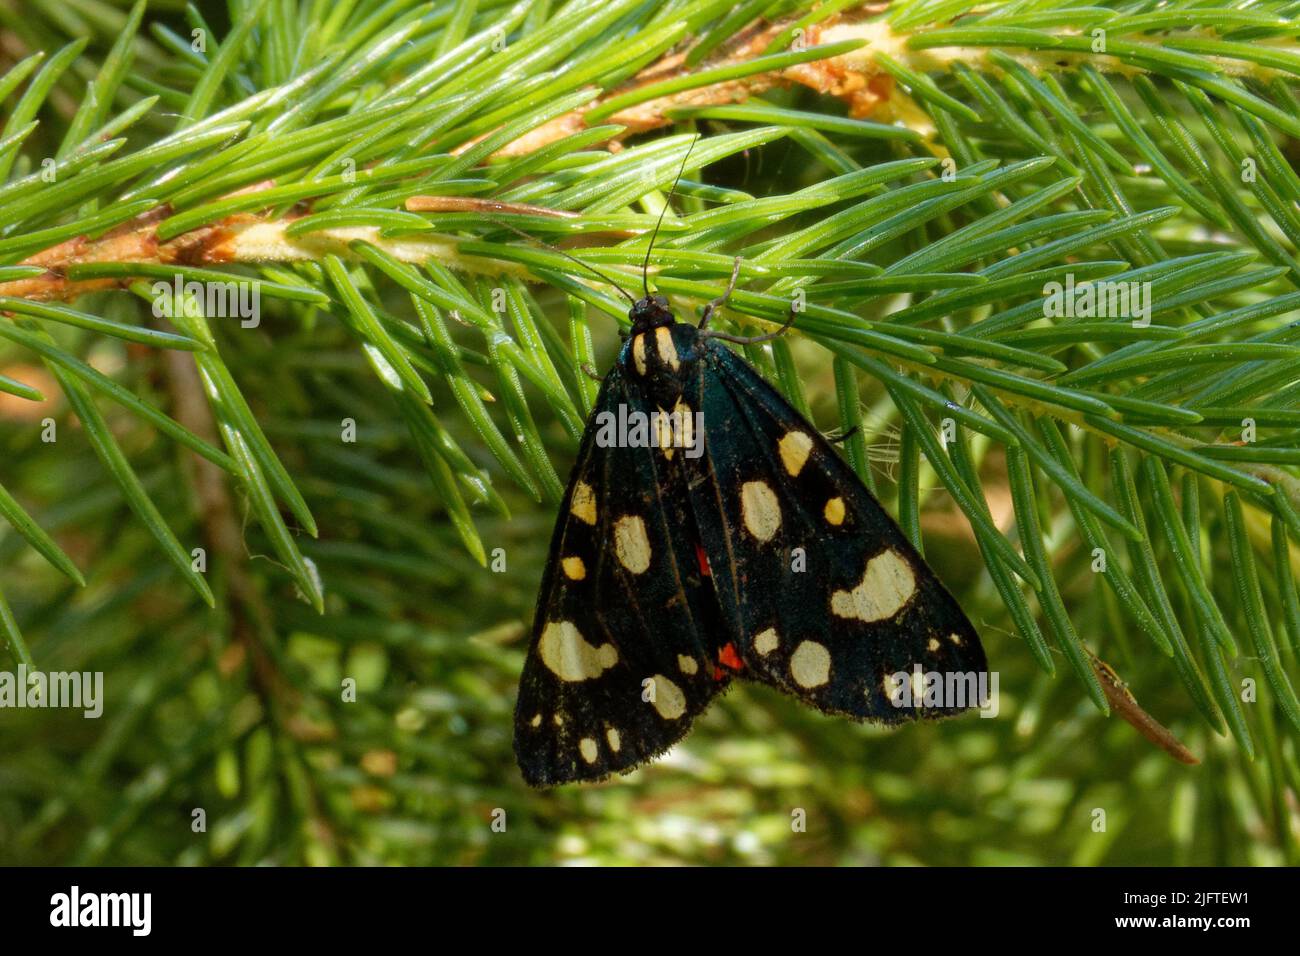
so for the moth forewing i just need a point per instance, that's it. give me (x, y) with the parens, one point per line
(823, 594)
(619, 663)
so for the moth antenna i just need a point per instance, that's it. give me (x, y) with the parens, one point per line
(546, 245)
(645, 282)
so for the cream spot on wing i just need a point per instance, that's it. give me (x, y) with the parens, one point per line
(669, 700)
(536, 721)
(559, 719)
(761, 511)
(583, 503)
(664, 438)
(588, 748)
(631, 544)
(887, 585)
(664, 345)
(766, 642)
(795, 448)
(564, 651)
(955, 638)
(612, 737)
(684, 424)
(688, 665)
(638, 353)
(574, 569)
(933, 645)
(834, 511)
(810, 664)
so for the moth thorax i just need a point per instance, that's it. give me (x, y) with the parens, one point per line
(654, 353)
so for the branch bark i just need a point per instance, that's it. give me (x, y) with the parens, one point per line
(249, 238)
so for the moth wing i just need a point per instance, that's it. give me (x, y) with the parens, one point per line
(619, 664)
(835, 623)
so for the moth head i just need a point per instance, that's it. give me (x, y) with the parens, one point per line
(650, 313)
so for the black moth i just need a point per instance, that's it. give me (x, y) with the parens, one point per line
(669, 574)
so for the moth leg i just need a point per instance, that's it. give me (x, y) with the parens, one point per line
(753, 339)
(590, 371)
(721, 300)
(844, 436)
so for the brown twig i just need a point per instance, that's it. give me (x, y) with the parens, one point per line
(851, 77)
(252, 238)
(1123, 702)
(221, 529)
(249, 617)
(471, 204)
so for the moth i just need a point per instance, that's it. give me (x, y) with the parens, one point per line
(720, 536)
(764, 557)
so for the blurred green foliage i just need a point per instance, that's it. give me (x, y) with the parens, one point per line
(412, 771)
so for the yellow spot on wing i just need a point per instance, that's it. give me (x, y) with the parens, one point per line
(664, 345)
(834, 511)
(583, 503)
(612, 737)
(588, 748)
(766, 642)
(669, 700)
(795, 448)
(631, 544)
(685, 425)
(688, 665)
(638, 353)
(887, 585)
(574, 569)
(891, 686)
(810, 664)
(664, 438)
(536, 721)
(569, 657)
(760, 509)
